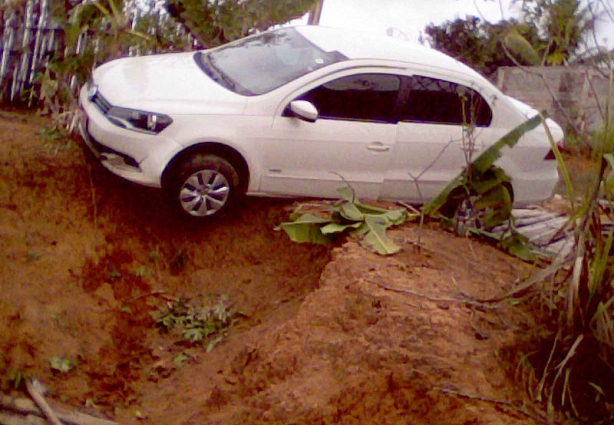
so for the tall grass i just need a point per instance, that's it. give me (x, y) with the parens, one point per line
(571, 371)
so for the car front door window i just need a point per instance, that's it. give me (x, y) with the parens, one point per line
(363, 97)
(350, 142)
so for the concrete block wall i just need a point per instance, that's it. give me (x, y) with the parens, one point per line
(568, 93)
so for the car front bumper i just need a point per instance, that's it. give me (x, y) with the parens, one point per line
(140, 158)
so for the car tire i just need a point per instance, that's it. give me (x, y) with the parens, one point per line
(205, 186)
(460, 206)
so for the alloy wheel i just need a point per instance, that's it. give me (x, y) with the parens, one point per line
(204, 193)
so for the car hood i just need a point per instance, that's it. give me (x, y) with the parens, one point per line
(168, 83)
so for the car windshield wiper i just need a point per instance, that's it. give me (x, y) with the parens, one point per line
(208, 66)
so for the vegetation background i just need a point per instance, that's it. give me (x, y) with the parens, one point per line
(570, 368)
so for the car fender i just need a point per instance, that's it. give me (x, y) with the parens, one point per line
(241, 137)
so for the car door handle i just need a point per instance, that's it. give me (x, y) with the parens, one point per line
(378, 147)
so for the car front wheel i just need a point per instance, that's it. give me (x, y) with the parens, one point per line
(206, 186)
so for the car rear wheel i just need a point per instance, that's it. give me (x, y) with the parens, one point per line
(463, 207)
(205, 186)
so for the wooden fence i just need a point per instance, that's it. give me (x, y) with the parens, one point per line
(29, 38)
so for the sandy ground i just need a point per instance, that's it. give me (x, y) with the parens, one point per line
(329, 336)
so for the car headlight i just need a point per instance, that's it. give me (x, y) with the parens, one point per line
(132, 119)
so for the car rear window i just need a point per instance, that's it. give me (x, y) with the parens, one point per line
(442, 102)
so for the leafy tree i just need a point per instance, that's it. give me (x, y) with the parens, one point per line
(563, 24)
(215, 22)
(483, 45)
(551, 32)
(94, 32)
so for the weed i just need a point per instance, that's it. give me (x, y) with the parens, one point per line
(197, 323)
(56, 139)
(180, 359)
(154, 256)
(142, 271)
(178, 262)
(17, 378)
(61, 364)
(92, 402)
(32, 256)
(571, 370)
(114, 275)
(57, 318)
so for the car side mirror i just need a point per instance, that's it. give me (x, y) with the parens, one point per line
(304, 110)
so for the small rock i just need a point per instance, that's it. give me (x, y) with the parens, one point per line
(15, 419)
(24, 404)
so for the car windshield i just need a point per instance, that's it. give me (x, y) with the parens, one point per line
(259, 64)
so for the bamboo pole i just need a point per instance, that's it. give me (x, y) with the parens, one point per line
(315, 13)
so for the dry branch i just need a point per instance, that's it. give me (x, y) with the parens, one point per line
(25, 406)
(428, 297)
(521, 289)
(41, 402)
(502, 403)
(538, 277)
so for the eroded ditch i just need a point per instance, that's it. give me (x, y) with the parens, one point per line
(89, 256)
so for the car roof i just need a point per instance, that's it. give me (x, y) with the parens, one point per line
(358, 45)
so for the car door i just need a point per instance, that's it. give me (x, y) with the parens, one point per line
(442, 126)
(350, 143)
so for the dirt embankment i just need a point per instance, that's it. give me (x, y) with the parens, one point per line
(86, 257)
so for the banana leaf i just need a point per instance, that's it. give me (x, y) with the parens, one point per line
(306, 229)
(482, 162)
(373, 232)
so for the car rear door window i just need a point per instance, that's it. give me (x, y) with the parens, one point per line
(442, 102)
(362, 97)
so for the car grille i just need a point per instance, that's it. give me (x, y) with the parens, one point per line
(102, 103)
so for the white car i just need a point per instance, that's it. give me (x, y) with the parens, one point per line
(302, 111)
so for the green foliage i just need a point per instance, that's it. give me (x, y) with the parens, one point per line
(197, 323)
(481, 44)
(94, 32)
(32, 256)
(61, 364)
(564, 25)
(215, 22)
(308, 228)
(478, 199)
(365, 222)
(517, 44)
(479, 177)
(17, 378)
(114, 274)
(142, 271)
(92, 403)
(178, 261)
(179, 359)
(551, 32)
(56, 139)
(577, 376)
(517, 245)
